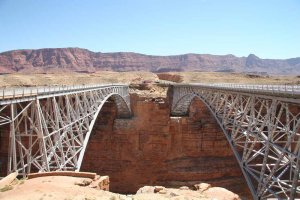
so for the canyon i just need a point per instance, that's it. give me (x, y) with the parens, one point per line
(83, 60)
(154, 148)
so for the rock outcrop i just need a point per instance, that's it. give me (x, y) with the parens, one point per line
(170, 77)
(161, 193)
(78, 188)
(83, 60)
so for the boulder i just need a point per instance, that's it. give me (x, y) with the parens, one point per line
(146, 189)
(164, 191)
(84, 182)
(8, 179)
(184, 188)
(202, 187)
(158, 188)
(220, 194)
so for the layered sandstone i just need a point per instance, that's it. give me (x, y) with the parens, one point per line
(83, 60)
(170, 77)
(154, 149)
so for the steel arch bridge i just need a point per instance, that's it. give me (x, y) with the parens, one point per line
(262, 126)
(50, 127)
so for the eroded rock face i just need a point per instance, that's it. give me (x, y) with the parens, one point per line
(218, 193)
(170, 77)
(83, 60)
(154, 149)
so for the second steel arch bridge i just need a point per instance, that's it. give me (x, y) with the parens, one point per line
(262, 126)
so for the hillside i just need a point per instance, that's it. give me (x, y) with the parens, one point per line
(83, 60)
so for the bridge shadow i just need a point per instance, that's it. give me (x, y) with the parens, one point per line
(4, 148)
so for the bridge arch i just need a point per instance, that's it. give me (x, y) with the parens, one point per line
(123, 111)
(182, 108)
(182, 105)
(263, 132)
(49, 128)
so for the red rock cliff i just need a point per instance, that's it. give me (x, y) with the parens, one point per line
(154, 149)
(83, 60)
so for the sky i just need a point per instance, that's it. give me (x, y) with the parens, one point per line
(266, 28)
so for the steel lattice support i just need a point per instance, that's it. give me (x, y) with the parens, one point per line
(263, 131)
(51, 133)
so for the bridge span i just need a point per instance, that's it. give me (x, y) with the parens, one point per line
(262, 126)
(49, 127)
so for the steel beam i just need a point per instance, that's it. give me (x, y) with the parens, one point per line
(263, 131)
(49, 131)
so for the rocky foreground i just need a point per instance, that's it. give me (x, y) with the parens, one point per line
(82, 188)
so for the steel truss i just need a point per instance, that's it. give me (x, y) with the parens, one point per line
(263, 132)
(51, 133)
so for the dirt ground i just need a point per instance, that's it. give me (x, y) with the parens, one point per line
(66, 188)
(222, 77)
(53, 187)
(18, 79)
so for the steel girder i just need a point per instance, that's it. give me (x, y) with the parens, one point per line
(263, 132)
(51, 133)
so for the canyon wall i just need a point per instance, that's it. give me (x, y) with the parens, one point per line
(154, 149)
(83, 60)
(4, 146)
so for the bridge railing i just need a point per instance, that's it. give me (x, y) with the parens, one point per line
(274, 89)
(11, 93)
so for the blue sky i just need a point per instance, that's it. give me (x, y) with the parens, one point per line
(267, 28)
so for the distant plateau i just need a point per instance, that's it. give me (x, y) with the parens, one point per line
(83, 60)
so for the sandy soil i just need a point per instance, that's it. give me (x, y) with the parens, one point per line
(219, 77)
(64, 188)
(54, 187)
(17, 79)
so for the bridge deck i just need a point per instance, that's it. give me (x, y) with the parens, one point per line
(289, 91)
(14, 95)
(261, 124)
